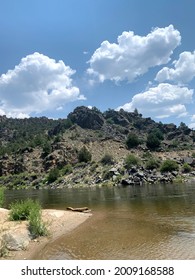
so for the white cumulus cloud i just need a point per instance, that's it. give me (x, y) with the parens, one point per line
(37, 84)
(193, 118)
(183, 71)
(162, 101)
(133, 55)
(191, 125)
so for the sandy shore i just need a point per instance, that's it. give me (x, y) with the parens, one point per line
(59, 222)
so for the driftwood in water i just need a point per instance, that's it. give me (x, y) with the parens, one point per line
(80, 209)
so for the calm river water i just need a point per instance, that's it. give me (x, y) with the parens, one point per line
(149, 222)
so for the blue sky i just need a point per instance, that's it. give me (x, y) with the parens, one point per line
(56, 55)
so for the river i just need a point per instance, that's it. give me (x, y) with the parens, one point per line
(147, 222)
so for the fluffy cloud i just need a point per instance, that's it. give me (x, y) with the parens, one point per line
(37, 84)
(162, 101)
(133, 55)
(183, 71)
(191, 125)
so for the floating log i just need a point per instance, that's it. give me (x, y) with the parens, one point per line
(80, 209)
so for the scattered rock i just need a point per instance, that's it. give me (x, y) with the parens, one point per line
(114, 171)
(188, 160)
(16, 239)
(174, 173)
(125, 182)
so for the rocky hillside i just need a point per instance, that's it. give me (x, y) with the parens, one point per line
(117, 125)
(33, 150)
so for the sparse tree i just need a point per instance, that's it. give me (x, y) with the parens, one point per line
(53, 175)
(132, 140)
(153, 141)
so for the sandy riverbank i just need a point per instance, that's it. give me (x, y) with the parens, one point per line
(59, 222)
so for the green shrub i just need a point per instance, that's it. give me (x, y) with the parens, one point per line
(29, 210)
(53, 175)
(2, 197)
(36, 225)
(131, 160)
(158, 133)
(132, 141)
(47, 148)
(107, 159)
(153, 141)
(152, 164)
(186, 168)
(84, 155)
(67, 169)
(169, 165)
(20, 210)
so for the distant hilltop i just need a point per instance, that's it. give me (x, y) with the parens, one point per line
(18, 134)
(35, 146)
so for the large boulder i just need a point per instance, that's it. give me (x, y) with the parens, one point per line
(16, 239)
(87, 118)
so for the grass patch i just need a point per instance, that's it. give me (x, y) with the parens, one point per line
(29, 210)
(131, 160)
(36, 225)
(178, 179)
(107, 159)
(20, 210)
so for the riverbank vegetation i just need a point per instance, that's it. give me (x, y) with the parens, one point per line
(31, 211)
(156, 167)
(16, 236)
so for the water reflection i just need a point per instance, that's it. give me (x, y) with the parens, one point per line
(150, 222)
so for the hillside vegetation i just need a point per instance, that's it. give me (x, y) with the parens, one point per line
(93, 148)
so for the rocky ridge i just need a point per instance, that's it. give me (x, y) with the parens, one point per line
(56, 144)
